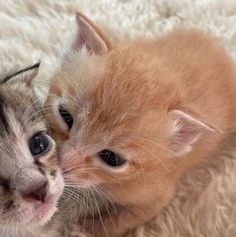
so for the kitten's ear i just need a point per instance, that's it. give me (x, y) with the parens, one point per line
(186, 131)
(28, 78)
(25, 75)
(90, 36)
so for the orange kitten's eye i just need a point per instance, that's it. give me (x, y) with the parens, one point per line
(66, 116)
(110, 158)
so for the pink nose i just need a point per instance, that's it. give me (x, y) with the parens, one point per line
(36, 192)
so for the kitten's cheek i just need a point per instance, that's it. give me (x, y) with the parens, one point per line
(74, 169)
(69, 166)
(66, 154)
(69, 161)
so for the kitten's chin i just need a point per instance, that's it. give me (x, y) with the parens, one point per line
(44, 212)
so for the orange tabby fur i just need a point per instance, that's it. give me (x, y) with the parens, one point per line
(125, 98)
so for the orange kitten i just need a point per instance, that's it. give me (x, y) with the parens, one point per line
(134, 117)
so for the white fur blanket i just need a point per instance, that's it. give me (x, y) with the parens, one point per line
(205, 204)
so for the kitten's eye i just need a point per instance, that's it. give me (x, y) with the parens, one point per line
(110, 158)
(66, 116)
(40, 144)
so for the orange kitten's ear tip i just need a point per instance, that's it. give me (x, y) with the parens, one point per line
(80, 17)
(90, 36)
(181, 116)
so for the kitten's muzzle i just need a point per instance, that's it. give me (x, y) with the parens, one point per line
(36, 192)
(31, 185)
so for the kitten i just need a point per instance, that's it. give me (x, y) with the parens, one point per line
(30, 180)
(131, 119)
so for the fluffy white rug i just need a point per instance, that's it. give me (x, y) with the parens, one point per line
(206, 199)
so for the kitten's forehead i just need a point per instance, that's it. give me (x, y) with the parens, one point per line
(19, 112)
(114, 92)
(129, 84)
(119, 74)
(80, 75)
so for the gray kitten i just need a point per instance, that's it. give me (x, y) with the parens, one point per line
(30, 180)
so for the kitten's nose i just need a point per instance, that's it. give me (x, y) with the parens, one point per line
(36, 192)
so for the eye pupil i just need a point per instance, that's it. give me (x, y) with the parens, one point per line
(66, 116)
(39, 144)
(110, 158)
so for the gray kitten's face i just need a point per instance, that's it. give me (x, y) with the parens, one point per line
(30, 181)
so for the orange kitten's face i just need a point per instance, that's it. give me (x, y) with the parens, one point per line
(111, 132)
(119, 118)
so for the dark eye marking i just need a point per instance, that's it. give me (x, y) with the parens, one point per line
(41, 170)
(66, 116)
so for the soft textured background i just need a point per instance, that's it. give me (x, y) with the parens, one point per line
(32, 30)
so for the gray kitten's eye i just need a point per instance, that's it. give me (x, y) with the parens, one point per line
(111, 158)
(40, 144)
(66, 116)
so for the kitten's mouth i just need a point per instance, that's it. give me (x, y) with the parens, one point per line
(42, 211)
(39, 212)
